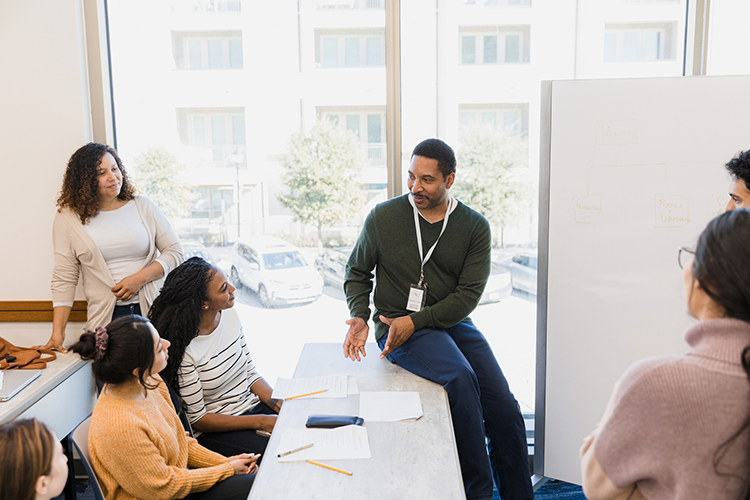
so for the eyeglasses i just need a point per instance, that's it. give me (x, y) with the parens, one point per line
(682, 261)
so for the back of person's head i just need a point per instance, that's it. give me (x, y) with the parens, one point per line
(176, 312)
(721, 264)
(26, 448)
(436, 149)
(125, 345)
(739, 167)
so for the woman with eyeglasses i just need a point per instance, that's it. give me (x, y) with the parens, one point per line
(678, 427)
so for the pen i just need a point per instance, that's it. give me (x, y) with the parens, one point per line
(295, 450)
(329, 467)
(308, 394)
(263, 433)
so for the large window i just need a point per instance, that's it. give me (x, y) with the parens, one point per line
(207, 50)
(299, 73)
(500, 44)
(350, 48)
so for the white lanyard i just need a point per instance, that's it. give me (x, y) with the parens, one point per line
(419, 235)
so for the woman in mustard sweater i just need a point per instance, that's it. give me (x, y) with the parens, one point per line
(138, 447)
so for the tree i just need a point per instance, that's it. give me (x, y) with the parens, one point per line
(159, 179)
(489, 160)
(322, 169)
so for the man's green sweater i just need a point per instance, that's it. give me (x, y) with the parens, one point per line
(456, 273)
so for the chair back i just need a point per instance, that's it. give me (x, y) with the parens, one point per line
(80, 439)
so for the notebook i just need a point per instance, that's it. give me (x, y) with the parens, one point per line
(12, 381)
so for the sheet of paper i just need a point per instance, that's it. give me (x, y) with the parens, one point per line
(342, 443)
(352, 387)
(389, 406)
(336, 384)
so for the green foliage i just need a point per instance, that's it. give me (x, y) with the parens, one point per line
(487, 177)
(158, 175)
(322, 169)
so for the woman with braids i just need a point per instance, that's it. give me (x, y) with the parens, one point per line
(33, 466)
(226, 399)
(119, 243)
(137, 444)
(678, 427)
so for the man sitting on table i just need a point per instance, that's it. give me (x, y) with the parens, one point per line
(431, 255)
(739, 169)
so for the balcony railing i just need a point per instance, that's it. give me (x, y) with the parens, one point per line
(351, 4)
(207, 6)
(375, 153)
(221, 156)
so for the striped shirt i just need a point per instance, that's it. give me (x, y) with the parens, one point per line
(217, 371)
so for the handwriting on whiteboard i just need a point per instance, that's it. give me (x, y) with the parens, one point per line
(588, 208)
(616, 132)
(671, 210)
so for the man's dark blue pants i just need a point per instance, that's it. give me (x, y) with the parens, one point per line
(460, 359)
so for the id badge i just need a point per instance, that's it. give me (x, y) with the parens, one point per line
(417, 297)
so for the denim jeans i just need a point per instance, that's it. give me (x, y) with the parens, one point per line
(482, 406)
(128, 310)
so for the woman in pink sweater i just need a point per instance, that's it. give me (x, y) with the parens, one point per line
(676, 427)
(137, 444)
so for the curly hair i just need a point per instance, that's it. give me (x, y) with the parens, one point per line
(80, 188)
(176, 311)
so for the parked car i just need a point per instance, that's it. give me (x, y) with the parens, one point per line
(498, 286)
(523, 270)
(275, 270)
(332, 264)
(193, 248)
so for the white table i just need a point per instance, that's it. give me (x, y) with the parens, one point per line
(62, 397)
(416, 460)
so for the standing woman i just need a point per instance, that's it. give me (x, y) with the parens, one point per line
(137, 444)
(226, 398)
(33, 466)
(678, 427)
(119, 243)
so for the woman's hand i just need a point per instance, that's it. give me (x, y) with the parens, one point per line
(54, 343)
(245, 463)
(128, 287)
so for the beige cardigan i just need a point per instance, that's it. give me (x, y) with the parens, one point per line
(76, 255)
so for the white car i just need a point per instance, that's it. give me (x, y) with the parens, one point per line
(275, 270)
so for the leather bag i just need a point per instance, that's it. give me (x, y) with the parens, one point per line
(26, 358)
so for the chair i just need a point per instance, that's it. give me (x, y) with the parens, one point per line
(80, 438)
(180, 409)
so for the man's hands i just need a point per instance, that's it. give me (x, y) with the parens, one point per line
(356, 337)
(401, 330)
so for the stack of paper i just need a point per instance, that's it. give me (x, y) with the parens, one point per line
(335, 386)
(341, 443)
(389, 406)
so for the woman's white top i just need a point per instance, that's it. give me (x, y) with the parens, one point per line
(123, 241)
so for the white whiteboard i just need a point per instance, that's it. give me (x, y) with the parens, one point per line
(636, 169)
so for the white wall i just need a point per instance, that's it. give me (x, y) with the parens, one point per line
(44, 117)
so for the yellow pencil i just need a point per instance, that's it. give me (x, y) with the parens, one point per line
(329, 467)
(308, 394)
